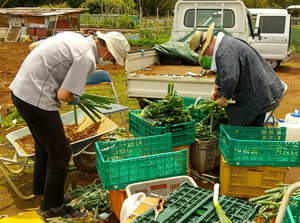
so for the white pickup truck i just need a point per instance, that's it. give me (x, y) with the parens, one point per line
(271, 36)
(147, 77)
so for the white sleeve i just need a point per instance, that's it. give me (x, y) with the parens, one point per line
(82, 67)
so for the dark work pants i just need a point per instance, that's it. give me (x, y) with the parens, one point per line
(52, 152)
(259, 121)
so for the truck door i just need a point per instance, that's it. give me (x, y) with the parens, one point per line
(274, 40)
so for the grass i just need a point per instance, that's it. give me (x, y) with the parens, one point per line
(295, 36)
(2, 139)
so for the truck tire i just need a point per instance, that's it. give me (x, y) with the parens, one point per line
(274, 64)
(142, 103)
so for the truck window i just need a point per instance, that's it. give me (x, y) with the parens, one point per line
(205, 17)
(272, 24)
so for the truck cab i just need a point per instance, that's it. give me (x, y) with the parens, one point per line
(273, 38)
(234, 18)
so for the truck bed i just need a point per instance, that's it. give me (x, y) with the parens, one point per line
(174, 70)
(148, 78)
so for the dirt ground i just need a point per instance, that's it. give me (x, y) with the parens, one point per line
(11, 58)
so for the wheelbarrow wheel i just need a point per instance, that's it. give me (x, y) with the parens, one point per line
(86, 162)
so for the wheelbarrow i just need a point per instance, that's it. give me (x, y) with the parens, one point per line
(83, 151)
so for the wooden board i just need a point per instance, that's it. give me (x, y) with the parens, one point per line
(141, 208)
(37, 20)
(13, 34)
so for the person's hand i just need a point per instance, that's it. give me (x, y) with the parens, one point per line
(76, 102)
(222, 101)
(213, 95)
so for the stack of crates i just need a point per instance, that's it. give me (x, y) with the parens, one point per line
(189, 204)
(127, 161)
(123, 162)
(254, 159)
(205, 156)
(183, 134)
(161, 187)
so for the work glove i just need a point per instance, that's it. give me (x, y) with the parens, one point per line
(76, 102)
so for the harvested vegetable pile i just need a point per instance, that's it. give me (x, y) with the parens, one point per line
(117, 134)
(27, 142)
(93, 198)
(270, 202)
(208, 128)
(169, 111)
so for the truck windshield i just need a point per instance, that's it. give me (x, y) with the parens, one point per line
(205, 17)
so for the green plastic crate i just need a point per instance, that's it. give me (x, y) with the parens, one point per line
(258, 146)
(292, 214)
(127, 161)
(288, 217)
(190, 204)
(195, 113)
(182, 134)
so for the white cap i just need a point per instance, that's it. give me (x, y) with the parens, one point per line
(116, 44)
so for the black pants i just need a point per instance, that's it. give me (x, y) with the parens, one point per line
(258, 121)
(52, 151)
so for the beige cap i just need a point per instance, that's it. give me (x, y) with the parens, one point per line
(200, 40)
(117, 45)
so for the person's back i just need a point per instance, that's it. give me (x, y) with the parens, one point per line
(59, 61)
(244, 73)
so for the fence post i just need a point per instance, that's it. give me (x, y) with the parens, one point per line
(140, 17)
(157, 31)
(157, 17)
(168, 18)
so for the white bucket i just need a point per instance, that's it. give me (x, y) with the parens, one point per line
(24, 31)
(22, 39)
(292, 123)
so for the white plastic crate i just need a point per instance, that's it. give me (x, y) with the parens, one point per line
(161, 187)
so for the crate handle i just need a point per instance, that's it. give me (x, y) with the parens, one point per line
(198, 99)
(177, 128)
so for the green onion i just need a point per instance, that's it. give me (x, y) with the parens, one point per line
(89, 104)
(221, 215)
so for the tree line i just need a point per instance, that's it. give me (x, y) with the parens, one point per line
(133, 7)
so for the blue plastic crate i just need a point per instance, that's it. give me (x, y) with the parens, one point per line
(123, 162)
